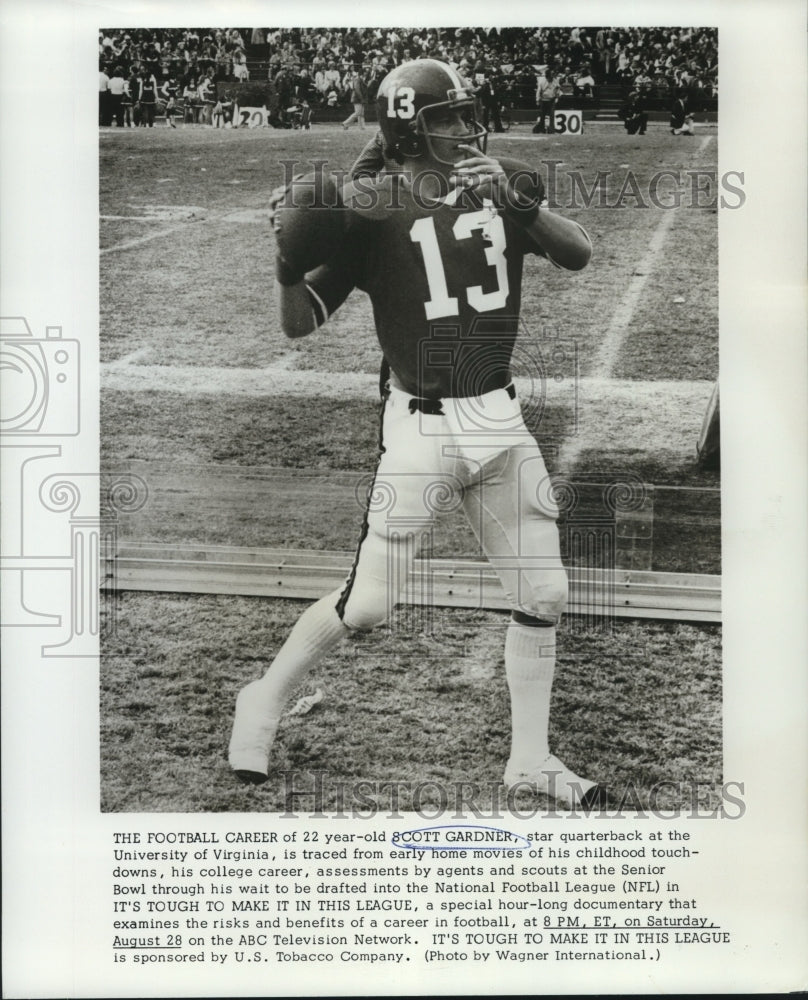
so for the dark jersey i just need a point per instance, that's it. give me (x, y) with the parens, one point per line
(445, 282)
(148, 90)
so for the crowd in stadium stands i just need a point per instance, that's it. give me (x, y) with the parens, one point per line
(319, 65)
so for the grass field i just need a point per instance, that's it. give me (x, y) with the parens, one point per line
(198, 382)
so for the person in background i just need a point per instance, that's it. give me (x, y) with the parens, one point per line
(147, 99)
(358, 96)
(634, 115)
(241, 72)
(584, 86)
(134, 94)
(117, 90)
(126, 105)
(206, 91)
(681, 118)
(548, 92)
(190, 97)
(489, 94)
(170, 92)
(103, 97)
(222, 111)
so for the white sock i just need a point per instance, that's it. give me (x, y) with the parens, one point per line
(318, 630)
(530, 653)
(530, 657)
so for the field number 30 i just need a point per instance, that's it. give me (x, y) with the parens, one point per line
(569, 122)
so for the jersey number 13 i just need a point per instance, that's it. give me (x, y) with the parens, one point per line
(440, 302)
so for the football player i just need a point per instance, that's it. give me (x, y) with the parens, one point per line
(438, 244)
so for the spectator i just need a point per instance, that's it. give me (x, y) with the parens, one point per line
(547, 93)
(681, 118)
(206, 91)
(634, 115)
(643, 83)
(223, 112)
(117, 89)
(332, 77)
(285, 90)
(133, 87)
(170, 92)
(584, 86)
(489, 94)
(190, 98)
(147, 99)
(240, 71)
(358, 97)
(669, 58)
(126, 105)
(104, 114)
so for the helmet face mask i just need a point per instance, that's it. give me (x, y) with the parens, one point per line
(411, 95)
(476, 135)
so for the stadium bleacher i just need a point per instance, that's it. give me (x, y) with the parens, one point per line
(660, 62)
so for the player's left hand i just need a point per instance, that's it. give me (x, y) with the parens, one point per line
(482, 173)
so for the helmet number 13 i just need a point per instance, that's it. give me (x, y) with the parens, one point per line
(400, 102)
(440, 302)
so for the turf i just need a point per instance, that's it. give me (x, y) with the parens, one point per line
(186, 291)
(202, 293)
(428, 705)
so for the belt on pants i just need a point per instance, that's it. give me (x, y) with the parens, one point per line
(434, 407)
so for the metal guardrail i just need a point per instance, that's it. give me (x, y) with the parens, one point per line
(307, 574)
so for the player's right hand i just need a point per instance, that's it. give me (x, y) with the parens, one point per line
(275, 199)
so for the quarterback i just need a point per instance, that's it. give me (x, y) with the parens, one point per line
(437, 240)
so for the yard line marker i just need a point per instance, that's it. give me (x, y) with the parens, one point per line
(129, 244)
(616, 410)
(125, 375)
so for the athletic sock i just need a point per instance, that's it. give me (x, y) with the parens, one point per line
(530, 655)
(529, 667)
(316, 632)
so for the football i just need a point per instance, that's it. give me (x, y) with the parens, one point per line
(309, 222)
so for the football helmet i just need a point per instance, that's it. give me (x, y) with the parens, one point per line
(409, 94)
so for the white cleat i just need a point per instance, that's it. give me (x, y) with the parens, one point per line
(252, 738)
(554, 779)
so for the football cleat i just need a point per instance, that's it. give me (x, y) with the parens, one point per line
(252, 738)
(554, 779)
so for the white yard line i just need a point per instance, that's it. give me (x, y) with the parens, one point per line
(126, 374)
(616, 410)
(130, 244)
(614, 338)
